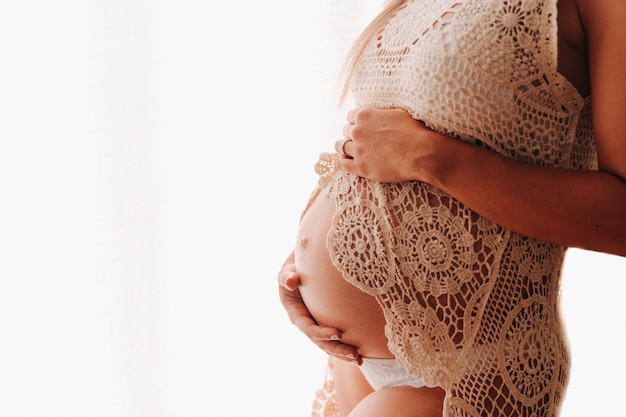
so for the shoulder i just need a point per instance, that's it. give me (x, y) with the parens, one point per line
(603, 22)
(570, 24)
(605, 35)
(590, 18)
(572, 46)
(595, 11)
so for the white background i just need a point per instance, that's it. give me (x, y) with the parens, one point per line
(154, 160)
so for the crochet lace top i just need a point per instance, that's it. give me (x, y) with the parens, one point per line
(470, 306)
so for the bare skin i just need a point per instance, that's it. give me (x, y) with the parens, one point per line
(335, 303)
(356, 398)
(329, 298)
(582, 209)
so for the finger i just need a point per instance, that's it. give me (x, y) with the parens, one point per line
(346, 165)
(297, 312)
(326, 338)
(300, 316)
(358, 361)
(288, 278)
(351, 116)
(347, 130)
(343, 147)
(339, 350)
(342, 352)
(338, 146)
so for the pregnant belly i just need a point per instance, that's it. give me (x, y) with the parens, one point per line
(331, 300)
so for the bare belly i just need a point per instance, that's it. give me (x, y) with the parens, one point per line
(332, 300)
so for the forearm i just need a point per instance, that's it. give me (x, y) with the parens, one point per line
(585, 209)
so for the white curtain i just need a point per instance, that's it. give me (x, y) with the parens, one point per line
(154, 159)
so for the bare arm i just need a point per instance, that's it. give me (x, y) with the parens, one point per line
(585, 209)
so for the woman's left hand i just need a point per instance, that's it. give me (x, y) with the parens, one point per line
(382, 145)
(326, 338)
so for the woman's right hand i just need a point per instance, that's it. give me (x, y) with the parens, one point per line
(326, 338)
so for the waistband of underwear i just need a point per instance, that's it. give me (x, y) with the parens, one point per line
(383, 373)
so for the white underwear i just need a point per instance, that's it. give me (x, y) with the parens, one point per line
(383, 373)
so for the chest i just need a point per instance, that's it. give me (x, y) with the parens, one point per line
(510, 41)
(478, 70)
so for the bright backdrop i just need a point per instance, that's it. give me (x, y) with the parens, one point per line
(154, 160)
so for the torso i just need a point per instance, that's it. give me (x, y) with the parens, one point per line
(333, 301)
(336, 303)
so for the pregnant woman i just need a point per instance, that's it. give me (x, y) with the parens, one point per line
(431, 252)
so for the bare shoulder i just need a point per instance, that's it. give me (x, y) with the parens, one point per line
(605, 33)
(572, 45)
(603, 25)
(592, 11)
(570, 24)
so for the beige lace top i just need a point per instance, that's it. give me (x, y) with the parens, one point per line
(470, 306)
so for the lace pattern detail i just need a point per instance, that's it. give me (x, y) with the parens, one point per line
(447, 279)
(325, 168)
(324, 404)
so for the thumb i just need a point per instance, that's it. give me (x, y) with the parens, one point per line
(289, 280)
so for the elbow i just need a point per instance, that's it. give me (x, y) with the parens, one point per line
(619, 237)
(618, 225)
(608, 239)
(608, 230)
(608, 234)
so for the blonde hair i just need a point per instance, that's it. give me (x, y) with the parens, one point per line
(371, 30)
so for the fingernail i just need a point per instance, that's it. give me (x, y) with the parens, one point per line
(351, 356)
(334, 337)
